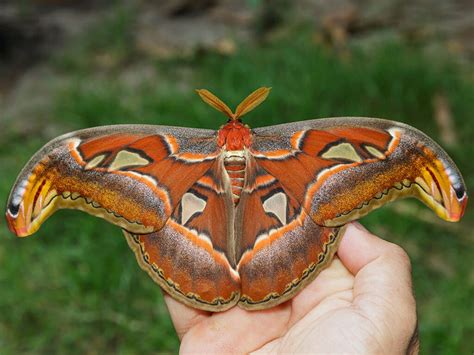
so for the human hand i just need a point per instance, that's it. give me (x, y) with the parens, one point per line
(361, 303)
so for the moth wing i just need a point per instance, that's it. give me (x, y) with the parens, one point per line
(339, 169)
(280, 248)
(192, 256)
(131, 175)
(304, 180)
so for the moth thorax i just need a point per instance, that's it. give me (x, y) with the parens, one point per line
(234, 163)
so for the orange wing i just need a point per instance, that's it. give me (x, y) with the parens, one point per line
(192, 257)
(130, 175)
(340, 169)
(305, 180)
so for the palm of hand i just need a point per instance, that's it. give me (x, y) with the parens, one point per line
(373, 311)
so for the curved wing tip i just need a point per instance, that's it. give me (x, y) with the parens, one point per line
(19, 232)
(459, 207)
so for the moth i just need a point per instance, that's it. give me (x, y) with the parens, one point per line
(236, 216)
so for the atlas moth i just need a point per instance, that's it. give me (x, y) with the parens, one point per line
(237, 216)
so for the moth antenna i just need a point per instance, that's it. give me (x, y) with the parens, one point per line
(212, 100)
(252, 101)
(247, 105)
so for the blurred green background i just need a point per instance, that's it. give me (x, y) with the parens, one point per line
(74, 287)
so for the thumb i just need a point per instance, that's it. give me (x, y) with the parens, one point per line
(382, 285)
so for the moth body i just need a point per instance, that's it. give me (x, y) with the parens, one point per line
(235, 162)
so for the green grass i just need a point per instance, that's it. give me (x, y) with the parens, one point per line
(75, 287)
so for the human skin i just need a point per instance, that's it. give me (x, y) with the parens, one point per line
(362, 303)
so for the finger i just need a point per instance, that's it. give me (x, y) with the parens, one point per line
(182, 316)
(336, 280)
(338, 277)
(382, 285)
(333, 283)
(359, 247)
